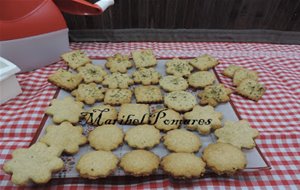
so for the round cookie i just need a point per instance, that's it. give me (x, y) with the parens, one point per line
(97, 164)
(201, 79)
(172, 83)
(181, 101)
(224, 158)
(142, 136)
(106, 137)
(180, 140)
(166, 119)
(183, 165)
(139, 163)
(100, 115)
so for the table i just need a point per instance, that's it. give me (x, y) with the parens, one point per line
(276, 115)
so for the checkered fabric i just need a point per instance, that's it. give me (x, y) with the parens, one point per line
(276, 115)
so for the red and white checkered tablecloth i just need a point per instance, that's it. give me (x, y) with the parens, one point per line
(276, 115)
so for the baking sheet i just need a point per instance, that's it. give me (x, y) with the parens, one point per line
(255, 159)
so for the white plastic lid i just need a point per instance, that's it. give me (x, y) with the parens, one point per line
(7, 69)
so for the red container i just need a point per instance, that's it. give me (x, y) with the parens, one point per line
(34, 33)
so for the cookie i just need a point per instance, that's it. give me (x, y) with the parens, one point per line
(65, 110)
(75, 59)
(133, 114)
(183, 165)
(166, 119)
(35, 163)
(148, 94)
(203, 119)
(92, 73)
(178, 67)
(97, 164)
(242, 74)
(238, 133)
(118, 80)
(173, 83)
(201, 79)
(106, 137)
(251, 89)
(142, 136)
(143, 58)
(65, 79)
(214, 94)
(117, 96)
(88, 93)
(146, 76)
(204, 62)
(230, 70)
(180, 140)
(118, 63)
(181, 101)
(224, 158)
(66, 137)
(139, 163)
(101, 115)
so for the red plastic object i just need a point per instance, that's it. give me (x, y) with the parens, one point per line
(20, 19)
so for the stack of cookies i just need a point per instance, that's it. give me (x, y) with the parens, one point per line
(127, 100)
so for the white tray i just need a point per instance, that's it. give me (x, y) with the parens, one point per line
(256, 160)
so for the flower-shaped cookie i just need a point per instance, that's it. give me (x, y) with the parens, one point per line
(65, 136)
(65, 110)
(146, 76)
(238, 133)
(118, 63)
(118, 80)
(203, 119)
(35, 163)
(88, 93)
(92, 73)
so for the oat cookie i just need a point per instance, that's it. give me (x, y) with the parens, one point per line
(65, 110)
(230, 70)
(181, 140)
(166, 119)
(181, 101)
(117, 96)
(143, 58)
(242, 74)
(201, 79)
(146, 76)
(88, 93)
(101, 115)
(75, 59)
(106, 137)
(66, 137)
(140, 163)
(148, 94)
(178, 67)
(224, 158)
(142, 136)
(238, 133)
(214, 94)
(203, 119)
(118, 63)
(133, 114)
(204, 62)
(97, 164)
(251, 89)
(183, 165)
(35, 163)
(65, 79)
(172, 83)
(92, 73)
(118, 80)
